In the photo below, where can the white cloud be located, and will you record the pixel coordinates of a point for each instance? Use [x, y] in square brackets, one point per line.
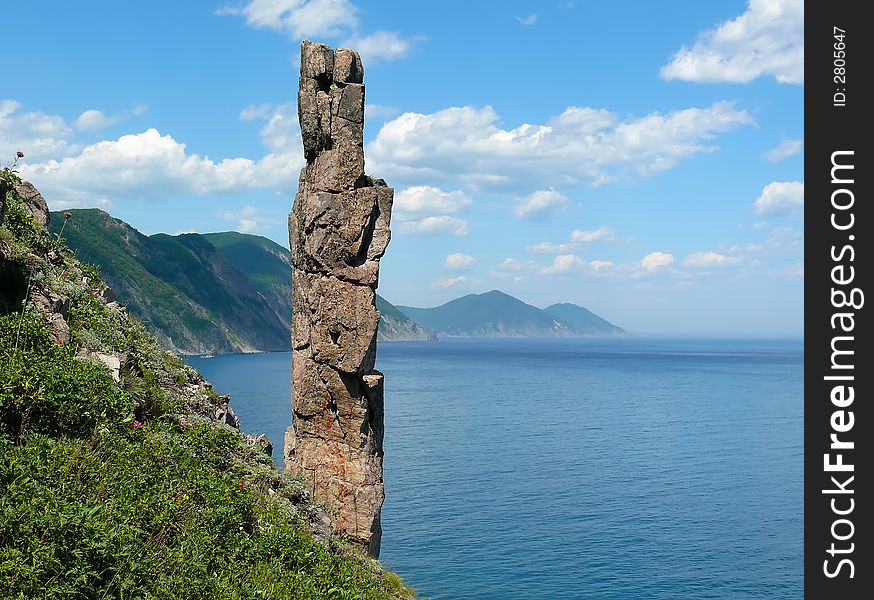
[36, 134]
[602, 233]
[248, 220]
[281, 130]
[426, 210]
[438, 225]
[459, 262]
[540, 205]
[529, 20]
[578, 237]
[564, 264]
[706, 260]
[312, 19]
[466, 145]
[780, 197]
[380, 45]
[784, 150]
[152, 166]
[552, 248]
[515, 265]
[423, 199]
[450, 282]
[379, 111]
[92, 202]
[95, 120]
[256, 111]
[767, 39]
[656, 260]
[298, 18]
[601, 266]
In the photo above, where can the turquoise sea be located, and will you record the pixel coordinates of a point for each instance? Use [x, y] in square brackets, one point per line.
[591, 468]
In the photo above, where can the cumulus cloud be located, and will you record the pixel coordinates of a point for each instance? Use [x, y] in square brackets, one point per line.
[95, 120]
[426, 210]
[528, 21]
[539, 205]
[602, 233]
[36, 134]
[784, 150]
[656, 260]
[564, 264]
[706, 260]
[380, 45]
[298, 18]
[467, 145]
[780, 197]
[450, 282]
[578, 237]
[439, 225]
[766, 40]
[459, 262]
[301, 19]
[421, 199]
[601, 266]
[152, 166]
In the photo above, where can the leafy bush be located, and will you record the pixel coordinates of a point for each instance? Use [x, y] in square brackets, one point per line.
[46, 388]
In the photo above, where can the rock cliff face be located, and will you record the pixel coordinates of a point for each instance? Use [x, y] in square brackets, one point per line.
[338, 231]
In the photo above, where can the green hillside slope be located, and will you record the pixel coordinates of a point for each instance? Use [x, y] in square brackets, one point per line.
[214, 293]
[124, 475]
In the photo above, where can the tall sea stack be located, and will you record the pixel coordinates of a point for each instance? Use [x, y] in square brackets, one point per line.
[338, 231]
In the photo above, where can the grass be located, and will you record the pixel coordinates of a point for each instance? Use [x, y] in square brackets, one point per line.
[116, 489]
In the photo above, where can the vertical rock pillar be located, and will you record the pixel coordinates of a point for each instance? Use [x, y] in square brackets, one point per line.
[338, 231]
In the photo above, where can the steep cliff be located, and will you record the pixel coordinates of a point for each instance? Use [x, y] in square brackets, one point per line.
[338, 231]
[124, 474]
[212, 293]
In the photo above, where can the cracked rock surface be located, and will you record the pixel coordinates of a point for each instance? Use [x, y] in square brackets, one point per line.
[338, 230]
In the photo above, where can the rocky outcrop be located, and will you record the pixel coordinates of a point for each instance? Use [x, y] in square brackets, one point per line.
[338, 231]
[33, 201]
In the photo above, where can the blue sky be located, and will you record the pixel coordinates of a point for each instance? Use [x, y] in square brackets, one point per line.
[643, 159]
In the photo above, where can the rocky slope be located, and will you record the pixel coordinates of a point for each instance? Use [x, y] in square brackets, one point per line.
[124, 473]
[212, 293]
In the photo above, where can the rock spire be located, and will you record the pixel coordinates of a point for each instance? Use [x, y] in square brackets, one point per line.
[338, 231]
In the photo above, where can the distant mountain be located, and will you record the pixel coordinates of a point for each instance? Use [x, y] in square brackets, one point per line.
[581, 319]
[395, 325]
[215, 293]
[496, 314]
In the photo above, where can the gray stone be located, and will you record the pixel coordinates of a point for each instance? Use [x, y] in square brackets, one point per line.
[347, 67]
[339, 229]
[33, 201]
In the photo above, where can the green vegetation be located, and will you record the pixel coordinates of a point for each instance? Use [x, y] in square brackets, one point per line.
[212, 293]
[120, 489]
[264, 261]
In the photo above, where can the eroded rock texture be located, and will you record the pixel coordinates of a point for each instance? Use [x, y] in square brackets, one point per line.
[338, 230]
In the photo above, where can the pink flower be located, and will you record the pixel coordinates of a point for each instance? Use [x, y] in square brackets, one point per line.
[94, 293]
[19, 154]
[64, 274]
[137, 424]
[242, 484]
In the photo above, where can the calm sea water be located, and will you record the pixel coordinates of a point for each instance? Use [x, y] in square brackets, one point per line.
[595, 468]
